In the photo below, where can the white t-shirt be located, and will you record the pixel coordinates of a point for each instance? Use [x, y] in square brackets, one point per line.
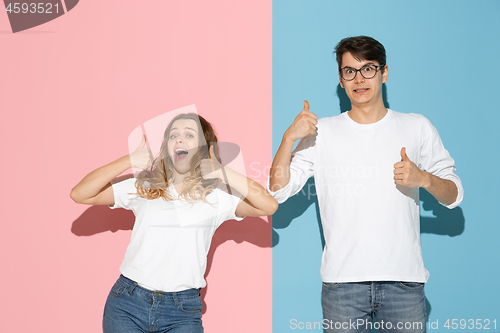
[371, 225]
[171, 239]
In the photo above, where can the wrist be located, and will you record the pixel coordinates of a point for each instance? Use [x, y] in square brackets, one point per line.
[220, 174]
[427, 180]
[125, 162]
[288, 139]
[223, 173]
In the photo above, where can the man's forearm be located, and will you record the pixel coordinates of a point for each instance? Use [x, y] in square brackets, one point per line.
[303, 125]
[444, 190]
[279, 176]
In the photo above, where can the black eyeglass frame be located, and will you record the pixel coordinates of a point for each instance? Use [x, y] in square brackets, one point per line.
[377, 68]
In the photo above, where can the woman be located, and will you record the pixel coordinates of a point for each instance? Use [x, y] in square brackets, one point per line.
[178, 205]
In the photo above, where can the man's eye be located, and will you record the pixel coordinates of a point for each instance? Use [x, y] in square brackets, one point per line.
[368, 68]
[349, 70]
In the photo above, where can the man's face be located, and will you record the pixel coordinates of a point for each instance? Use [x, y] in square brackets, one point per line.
[363, 92]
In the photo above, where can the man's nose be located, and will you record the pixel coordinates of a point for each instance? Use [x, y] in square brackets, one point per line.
[358, 77]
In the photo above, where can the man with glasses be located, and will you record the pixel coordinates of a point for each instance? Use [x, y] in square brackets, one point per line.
[368, 164]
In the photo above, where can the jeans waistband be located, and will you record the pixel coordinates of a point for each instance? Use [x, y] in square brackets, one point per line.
[132, 285]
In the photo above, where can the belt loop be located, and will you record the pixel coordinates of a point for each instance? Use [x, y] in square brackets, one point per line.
[131, 288]
[174, 296]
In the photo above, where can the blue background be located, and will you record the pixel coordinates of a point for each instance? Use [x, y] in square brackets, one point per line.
[443, 63]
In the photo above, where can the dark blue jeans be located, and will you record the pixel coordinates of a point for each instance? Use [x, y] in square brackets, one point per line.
[131, 308]
[397, 306]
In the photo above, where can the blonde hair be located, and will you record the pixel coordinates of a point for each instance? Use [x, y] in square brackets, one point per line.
[153, 183]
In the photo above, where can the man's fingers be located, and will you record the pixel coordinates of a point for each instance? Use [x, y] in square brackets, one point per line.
[312, 120]
[308, 117]
[404, 157]
[304, 124]
[307, 112]
[310, 126]
[398, 171]
[313, 129]
[399, 165]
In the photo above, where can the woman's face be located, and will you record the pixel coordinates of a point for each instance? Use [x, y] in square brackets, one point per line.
[183, 142]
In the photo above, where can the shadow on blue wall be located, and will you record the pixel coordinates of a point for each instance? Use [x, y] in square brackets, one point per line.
[345, 102]
[447, 222]
[450, 222]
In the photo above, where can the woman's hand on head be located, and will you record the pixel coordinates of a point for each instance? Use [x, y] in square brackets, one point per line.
[141, 158]
[211, 168]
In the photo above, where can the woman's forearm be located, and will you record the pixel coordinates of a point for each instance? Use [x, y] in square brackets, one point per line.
[93, 183]
[253, 192]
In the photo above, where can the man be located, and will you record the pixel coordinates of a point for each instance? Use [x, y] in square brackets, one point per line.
[368, 164]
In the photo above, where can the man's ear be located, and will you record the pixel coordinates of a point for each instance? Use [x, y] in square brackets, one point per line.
[340, 79]
[385, 75]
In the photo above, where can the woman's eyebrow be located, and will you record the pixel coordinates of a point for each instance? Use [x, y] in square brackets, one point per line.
[192, 129]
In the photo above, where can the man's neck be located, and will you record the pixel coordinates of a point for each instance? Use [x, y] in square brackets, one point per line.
[364, 114]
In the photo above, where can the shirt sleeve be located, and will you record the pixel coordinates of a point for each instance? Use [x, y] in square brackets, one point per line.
[436, 160]
[301, 169]
[125, 194]
[227, 207]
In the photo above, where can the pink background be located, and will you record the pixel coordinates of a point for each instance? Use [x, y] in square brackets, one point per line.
[71, 91]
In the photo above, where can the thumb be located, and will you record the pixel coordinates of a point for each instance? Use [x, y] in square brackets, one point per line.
[211, 152]
[306, 105]
[143, 142]
[404, 157]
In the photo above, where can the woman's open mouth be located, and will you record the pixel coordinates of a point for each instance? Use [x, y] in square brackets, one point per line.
[180, 154]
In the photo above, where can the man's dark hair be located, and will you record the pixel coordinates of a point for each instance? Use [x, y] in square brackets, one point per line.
[361, 48]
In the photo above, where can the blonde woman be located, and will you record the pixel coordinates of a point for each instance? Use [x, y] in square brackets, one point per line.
[178, 204]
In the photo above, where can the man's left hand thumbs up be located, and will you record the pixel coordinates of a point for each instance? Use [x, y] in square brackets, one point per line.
[407, 173]
[404, 157]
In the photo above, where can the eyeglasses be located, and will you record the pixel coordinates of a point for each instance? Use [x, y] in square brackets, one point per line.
[367, 71]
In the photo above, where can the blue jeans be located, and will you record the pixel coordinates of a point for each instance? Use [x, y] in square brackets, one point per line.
[131, 308]
[397, 307]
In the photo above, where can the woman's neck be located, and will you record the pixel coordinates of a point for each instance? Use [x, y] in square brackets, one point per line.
[178, 178]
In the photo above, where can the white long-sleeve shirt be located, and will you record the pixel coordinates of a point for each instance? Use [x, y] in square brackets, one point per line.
[371, 225]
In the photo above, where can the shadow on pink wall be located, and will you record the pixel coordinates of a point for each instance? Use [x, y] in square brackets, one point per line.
[99, 219]
[254, 230]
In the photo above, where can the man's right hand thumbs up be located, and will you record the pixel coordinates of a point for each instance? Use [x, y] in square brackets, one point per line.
[303, 125]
